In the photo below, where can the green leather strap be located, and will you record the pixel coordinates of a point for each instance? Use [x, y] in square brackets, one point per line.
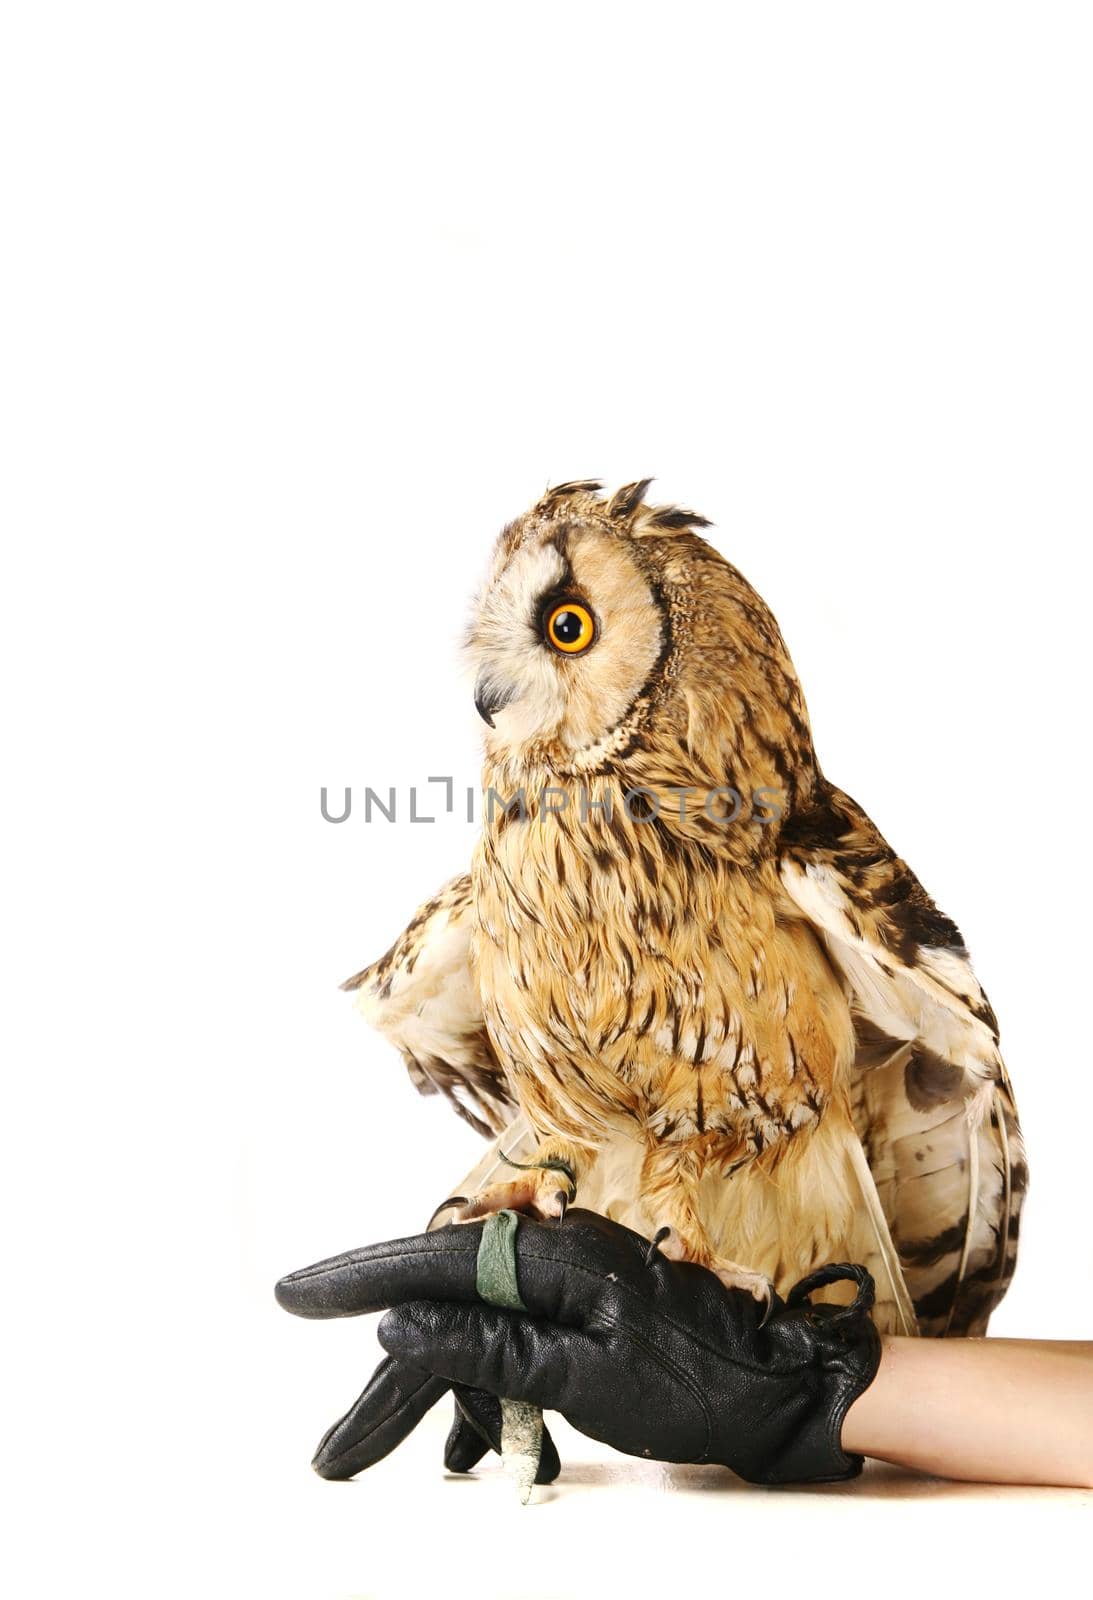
[496, 1277]
[521, 1423]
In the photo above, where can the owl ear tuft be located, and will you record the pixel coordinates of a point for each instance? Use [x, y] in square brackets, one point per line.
[670, 519]
[625, 501]
[562, 491]
[626, 506]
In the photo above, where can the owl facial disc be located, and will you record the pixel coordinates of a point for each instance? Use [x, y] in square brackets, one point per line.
[564, 637]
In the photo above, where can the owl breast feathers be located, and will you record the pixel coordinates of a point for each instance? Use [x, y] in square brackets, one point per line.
[717, 999]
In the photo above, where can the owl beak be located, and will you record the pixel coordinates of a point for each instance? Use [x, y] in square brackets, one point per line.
[488, 699]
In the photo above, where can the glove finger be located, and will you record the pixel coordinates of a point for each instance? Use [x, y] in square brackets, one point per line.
[390, 1408]
[442, 1265]
[503, 1352]
[477, 1428]
[465, 1445]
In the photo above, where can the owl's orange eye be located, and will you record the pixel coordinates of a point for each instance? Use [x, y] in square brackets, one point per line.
[569, 627]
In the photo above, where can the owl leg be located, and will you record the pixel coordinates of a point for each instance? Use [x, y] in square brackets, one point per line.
[669, 1182]
[542, 1187]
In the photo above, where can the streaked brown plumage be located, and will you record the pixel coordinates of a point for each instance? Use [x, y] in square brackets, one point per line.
[757, 1029]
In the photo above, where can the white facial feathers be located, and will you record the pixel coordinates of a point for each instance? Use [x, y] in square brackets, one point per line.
[536, 693]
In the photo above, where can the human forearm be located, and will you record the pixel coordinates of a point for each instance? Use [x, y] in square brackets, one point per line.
[988, 1410]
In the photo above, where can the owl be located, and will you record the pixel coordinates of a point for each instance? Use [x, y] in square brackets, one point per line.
[685, 977]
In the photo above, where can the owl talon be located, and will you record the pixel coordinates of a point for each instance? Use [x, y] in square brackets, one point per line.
[754, 1283]
[446, 1205]
[654, 1245]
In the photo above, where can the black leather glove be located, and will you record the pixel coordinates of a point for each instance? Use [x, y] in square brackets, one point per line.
[652, 1356]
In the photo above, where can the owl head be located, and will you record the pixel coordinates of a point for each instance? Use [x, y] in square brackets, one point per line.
[610, 632]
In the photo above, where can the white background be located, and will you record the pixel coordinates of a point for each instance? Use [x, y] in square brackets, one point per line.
[301, 302]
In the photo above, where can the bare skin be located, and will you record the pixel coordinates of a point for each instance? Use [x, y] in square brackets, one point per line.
[985, 1410]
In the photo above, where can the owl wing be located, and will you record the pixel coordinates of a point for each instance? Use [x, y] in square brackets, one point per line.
[423, 995]
[931, 1098]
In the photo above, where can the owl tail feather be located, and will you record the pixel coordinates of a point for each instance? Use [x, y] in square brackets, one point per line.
[891, 1284]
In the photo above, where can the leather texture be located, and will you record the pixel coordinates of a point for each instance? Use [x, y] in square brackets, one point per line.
[651, 1356]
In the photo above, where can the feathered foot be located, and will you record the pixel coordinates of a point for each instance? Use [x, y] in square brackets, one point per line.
[542, 1188]
[732, 1275]
[669, 1190]
[757, 1284]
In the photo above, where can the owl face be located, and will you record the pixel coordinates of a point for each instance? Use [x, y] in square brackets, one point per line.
[567, 632]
